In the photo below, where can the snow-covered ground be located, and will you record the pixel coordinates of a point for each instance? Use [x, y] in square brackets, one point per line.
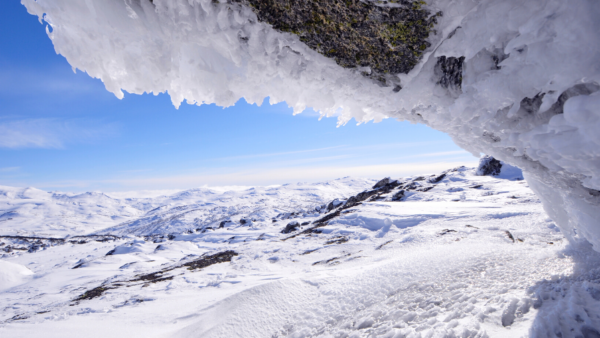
[446, 255]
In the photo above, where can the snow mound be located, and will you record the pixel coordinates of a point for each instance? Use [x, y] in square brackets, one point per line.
[516, 80]
[13, 274]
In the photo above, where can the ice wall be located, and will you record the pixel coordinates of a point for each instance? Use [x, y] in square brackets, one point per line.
[523, 86]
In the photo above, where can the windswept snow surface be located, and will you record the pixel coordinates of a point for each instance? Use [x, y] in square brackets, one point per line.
[33, 212]
[529, 95]
[446, 255]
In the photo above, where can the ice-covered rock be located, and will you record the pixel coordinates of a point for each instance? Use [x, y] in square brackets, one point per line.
[516, 80]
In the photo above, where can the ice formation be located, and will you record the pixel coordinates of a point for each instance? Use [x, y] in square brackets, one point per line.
[514, 79]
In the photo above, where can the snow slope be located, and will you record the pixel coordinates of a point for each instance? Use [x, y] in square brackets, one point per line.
[445, 255]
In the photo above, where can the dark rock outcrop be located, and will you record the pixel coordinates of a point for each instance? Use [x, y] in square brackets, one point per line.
[576, 90]
[381, 183]
[382, 40]
[448, 71]
[160, 275]
[33, 244]
[437, 179]
[398, 196]
[291, 227]
[489, 166]
[334, 204]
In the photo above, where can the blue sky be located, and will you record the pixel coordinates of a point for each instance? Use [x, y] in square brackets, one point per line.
[63, 131]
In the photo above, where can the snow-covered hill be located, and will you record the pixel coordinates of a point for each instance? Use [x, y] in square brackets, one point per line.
[33, 212]
[446, 255]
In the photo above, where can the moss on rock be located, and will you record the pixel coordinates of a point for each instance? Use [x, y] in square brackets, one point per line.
[388, 40]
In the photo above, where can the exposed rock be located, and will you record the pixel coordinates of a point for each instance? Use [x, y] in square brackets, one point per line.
[79, 264]
[93, 293]
[328, 217]
[337, 240]
[532, 105]
[448, 71]
[202, 262]
[159, 276]
[32, 244]
[437, 179]
[381, 40]
[291, 227]
[576, 90]
[384, 244]
[309, 251]
[334, 204]
[489, 166]
[510, 236]
[398, 196]
[381, 183]
[411, 186]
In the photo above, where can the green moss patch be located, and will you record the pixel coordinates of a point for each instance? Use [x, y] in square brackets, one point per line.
[389, 40]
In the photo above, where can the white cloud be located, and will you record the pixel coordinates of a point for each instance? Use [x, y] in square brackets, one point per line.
[49, 133]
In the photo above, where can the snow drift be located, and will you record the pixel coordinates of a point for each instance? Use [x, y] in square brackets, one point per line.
[516, 80]
[12, 274]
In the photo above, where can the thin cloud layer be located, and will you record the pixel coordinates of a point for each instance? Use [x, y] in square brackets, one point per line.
[50, 133]
[261, 176]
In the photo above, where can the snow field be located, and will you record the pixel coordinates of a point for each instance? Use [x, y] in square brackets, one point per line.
[474, 256]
